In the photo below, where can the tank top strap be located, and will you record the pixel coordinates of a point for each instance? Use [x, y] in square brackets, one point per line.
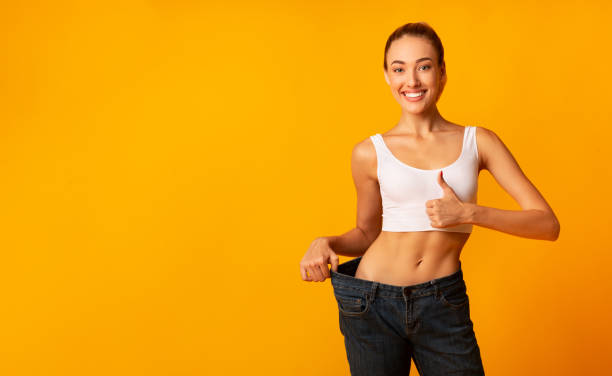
[470, 140]
[378, 144]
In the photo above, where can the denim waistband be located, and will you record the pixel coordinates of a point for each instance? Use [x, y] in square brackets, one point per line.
[345, 277]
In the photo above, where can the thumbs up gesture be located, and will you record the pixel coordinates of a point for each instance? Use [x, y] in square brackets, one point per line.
[448, 210]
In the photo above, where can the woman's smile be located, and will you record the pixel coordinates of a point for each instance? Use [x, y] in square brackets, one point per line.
[414, 96]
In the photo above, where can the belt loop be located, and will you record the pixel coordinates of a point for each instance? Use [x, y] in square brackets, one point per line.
[373, 291]
[435, 284]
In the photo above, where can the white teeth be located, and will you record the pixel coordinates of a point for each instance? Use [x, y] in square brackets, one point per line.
[414, 95]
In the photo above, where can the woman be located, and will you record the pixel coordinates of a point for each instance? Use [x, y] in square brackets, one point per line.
[404, 296]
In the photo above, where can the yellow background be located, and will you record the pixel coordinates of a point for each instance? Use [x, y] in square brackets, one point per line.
[166, 164]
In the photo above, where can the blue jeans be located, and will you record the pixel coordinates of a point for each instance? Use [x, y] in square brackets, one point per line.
[385, 326]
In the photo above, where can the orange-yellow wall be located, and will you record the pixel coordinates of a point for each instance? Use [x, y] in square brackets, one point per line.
[165, 164]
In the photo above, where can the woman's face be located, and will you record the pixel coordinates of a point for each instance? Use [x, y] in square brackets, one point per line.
[412, 67]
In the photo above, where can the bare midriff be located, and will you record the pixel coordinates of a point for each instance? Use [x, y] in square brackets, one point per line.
[409, 258]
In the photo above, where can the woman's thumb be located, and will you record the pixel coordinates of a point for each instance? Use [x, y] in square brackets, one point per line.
[333, 260]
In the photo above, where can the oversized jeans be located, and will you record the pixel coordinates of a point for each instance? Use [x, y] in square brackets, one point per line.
[385, 326]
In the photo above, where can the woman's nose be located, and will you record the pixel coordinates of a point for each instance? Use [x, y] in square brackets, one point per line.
[411, 79]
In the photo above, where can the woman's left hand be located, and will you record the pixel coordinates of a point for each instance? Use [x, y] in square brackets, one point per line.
[448, 210]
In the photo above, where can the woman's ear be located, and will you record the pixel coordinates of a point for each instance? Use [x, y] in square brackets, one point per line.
[444, 76]
[386, 77]
[443, 80]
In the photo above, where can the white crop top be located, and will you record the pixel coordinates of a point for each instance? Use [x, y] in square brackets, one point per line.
[405, 189]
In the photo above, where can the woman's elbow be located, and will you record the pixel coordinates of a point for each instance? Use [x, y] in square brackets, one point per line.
[556, 228]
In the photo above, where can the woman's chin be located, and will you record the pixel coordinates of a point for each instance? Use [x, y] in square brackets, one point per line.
[415, 110]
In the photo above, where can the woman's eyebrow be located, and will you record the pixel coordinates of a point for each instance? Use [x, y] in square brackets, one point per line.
[416, 61]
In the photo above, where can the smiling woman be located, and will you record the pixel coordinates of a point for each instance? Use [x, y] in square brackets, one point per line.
[404, 296]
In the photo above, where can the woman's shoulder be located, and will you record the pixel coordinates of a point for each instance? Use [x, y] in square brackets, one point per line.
[486, 135]
[488, 143]
[364, 159]
[364, 150]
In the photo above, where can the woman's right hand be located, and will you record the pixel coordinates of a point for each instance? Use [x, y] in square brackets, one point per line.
[315, 261]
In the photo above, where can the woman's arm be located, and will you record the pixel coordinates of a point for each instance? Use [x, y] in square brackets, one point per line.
[324, 250]
[352, 243]
[369, 204]
[536, 220]
[530, 223]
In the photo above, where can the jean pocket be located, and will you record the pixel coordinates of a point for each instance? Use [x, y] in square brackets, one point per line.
[351, 302]
[454, 296]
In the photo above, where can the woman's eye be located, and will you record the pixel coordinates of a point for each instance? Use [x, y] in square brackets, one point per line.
[422, 66]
